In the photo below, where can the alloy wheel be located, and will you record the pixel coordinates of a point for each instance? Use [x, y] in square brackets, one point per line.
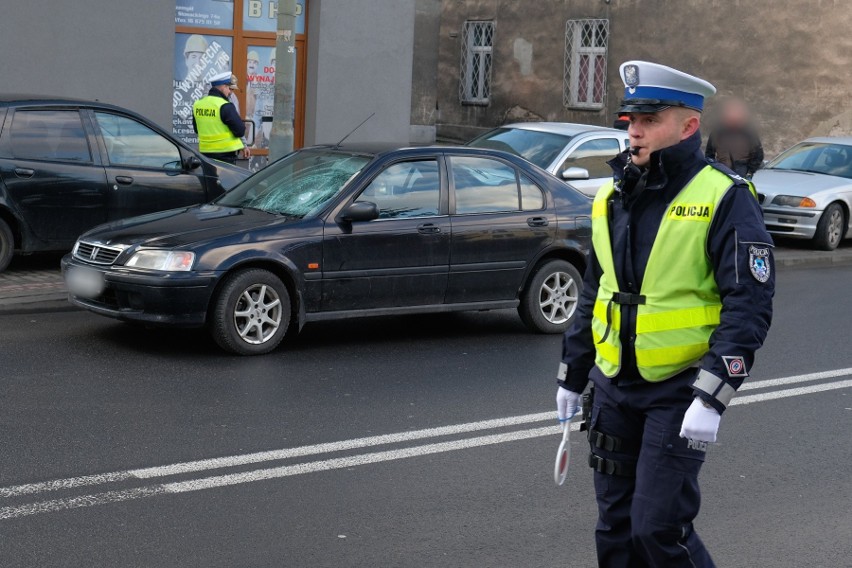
[835, 227]
[558, 297]
[257, 314]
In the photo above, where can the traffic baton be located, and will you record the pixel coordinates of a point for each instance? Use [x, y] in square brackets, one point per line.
[563, 455]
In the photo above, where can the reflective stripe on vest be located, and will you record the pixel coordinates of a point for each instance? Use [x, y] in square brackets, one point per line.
[214, 136]
[682, 305]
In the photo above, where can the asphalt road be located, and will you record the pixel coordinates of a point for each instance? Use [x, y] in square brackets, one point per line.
[386, 442]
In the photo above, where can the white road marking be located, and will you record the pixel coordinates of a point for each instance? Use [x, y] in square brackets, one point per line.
[751, 385]
[784, 393]
[336, 463]
[55, 505]
[272, 455]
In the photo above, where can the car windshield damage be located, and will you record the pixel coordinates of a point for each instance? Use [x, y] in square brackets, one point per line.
[300, 185]
[816, 158]
[540, 148]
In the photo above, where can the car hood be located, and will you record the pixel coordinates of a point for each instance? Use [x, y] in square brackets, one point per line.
[181, 227]
[801, 184]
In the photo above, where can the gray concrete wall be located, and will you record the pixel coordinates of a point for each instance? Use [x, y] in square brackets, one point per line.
[117, 52]
[789, 60]
[359, 62]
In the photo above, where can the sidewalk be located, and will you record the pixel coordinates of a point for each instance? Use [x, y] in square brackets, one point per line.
[34, 283]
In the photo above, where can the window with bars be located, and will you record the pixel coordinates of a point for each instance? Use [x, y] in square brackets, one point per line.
[585, 63]
[475, 72]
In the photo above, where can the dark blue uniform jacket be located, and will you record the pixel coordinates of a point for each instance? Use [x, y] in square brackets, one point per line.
[736, 233]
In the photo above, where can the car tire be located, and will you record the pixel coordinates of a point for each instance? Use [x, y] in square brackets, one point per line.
[7, 245]
[831, 228]
[251, 312]
[549, 301]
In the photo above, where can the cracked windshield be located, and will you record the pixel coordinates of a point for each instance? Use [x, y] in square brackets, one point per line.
[299, 185]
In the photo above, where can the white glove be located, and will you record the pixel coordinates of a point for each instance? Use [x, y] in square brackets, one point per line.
[700, 423]
[567, 403]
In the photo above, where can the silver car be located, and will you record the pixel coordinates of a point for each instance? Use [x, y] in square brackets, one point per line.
[577, 153]
[806, 192]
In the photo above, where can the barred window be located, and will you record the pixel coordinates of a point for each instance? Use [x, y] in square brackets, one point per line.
[475, 73]
[585, 63]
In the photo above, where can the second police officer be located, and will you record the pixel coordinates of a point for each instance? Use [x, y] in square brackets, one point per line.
[217, 121]
[677, 298]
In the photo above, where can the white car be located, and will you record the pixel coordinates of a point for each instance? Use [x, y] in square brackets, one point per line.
[806, 192]
[577, 153]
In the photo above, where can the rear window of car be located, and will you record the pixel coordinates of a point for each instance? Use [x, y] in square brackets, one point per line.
[540, 148]
[49, 135]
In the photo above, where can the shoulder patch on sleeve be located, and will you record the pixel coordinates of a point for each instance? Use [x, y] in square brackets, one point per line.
[758, 263]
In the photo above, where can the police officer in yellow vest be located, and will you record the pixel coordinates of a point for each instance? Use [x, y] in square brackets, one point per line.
[677, 298]
[218, 122]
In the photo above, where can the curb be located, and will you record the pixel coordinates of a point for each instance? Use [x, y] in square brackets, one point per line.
[813, 261]
[37, 305]
[57, 301]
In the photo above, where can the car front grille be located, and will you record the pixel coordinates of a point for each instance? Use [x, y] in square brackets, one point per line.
[95, 253]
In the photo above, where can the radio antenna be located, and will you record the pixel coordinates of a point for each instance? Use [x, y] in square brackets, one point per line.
[337, 146]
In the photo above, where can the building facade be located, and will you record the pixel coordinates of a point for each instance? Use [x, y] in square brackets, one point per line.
[507, 60]
[354, 58]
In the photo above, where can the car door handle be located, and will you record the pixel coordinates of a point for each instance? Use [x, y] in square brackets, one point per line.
[537, 222]
[24, 172]
[123, 180]
[428, 229]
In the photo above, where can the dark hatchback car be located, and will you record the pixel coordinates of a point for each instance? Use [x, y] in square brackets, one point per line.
[69, 165]
[329, 233]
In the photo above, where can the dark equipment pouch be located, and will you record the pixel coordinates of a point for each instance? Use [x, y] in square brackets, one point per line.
[588, 399]
[598, 439]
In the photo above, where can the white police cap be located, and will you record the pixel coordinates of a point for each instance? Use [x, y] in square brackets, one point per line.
[223, 78]
[649, 87]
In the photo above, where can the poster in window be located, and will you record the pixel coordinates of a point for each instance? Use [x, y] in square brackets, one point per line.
[262, 16]
[197, 58]
[216, 14]
[260, 91]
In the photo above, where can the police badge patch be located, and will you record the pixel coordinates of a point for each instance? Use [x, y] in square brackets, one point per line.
[758, 263]
[631, 75]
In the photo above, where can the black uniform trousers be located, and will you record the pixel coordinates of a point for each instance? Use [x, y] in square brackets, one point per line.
[646, 520]
[230, 157]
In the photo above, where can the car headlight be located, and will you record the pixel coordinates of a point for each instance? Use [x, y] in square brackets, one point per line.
[793, 201]
[163, 260]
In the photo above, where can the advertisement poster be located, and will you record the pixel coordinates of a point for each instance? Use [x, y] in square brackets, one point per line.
[262, 16]
[218, 14]
[260, 91]
[197, 59]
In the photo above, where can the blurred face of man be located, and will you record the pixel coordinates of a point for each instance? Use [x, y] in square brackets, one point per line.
[654, 131]
[192, 59]
[251, 66]
[735, 113]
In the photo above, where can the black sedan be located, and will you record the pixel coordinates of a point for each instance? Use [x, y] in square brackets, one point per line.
[330, 232]
[68, 165]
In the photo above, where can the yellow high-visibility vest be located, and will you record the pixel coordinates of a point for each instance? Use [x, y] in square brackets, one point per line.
[214, 136]
[678, 305]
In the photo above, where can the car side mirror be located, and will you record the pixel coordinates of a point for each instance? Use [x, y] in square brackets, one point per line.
[192, 162]
[575, 173]
[360, 211]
